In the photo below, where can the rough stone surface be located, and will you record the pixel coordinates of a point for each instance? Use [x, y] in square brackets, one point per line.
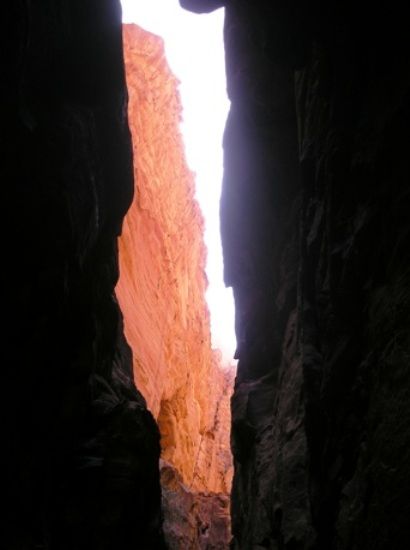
[162, 290]
[193, 519]
[81, 450]
[316, 238]
[316, 245]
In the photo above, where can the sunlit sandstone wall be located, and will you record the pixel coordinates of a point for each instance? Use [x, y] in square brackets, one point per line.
[162, 280]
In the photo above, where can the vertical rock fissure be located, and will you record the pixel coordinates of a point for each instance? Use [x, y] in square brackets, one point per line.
[161, 291]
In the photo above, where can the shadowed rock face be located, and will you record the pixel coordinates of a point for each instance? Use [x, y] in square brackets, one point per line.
[81, 448]
[316, 246]
[196, 520]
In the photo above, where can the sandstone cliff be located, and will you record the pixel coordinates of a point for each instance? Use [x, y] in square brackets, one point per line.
[318, 261]
[162, 281]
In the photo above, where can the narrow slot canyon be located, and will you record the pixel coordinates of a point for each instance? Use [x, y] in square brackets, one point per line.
[161, 291]
[120, 429]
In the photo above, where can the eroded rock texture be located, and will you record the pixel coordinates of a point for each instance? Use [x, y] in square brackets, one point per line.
[315, 229]
[80, 447]
[195, 520]
[162, 286]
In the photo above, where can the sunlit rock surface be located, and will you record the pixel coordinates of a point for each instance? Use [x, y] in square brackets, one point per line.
[162, 281]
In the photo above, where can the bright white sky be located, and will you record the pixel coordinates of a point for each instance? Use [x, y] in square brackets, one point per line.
[195, 52]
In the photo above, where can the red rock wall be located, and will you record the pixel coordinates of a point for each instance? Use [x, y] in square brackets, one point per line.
[162, 280]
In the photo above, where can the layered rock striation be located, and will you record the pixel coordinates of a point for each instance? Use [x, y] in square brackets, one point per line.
[316, 245]
[162, 289]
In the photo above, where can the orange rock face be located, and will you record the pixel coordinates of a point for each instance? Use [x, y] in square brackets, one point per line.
[162, 281]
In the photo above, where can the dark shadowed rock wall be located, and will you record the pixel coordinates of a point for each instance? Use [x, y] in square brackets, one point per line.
[81, 448]
[194, 520]
[315, 229]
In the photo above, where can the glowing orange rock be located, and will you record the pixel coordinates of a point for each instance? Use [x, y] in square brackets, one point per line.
[162, 280]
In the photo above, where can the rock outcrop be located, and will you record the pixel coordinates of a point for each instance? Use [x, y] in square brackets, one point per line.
[316, 246]
[80, 447]
[194, 520]
[316, 242]
[162, 284]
